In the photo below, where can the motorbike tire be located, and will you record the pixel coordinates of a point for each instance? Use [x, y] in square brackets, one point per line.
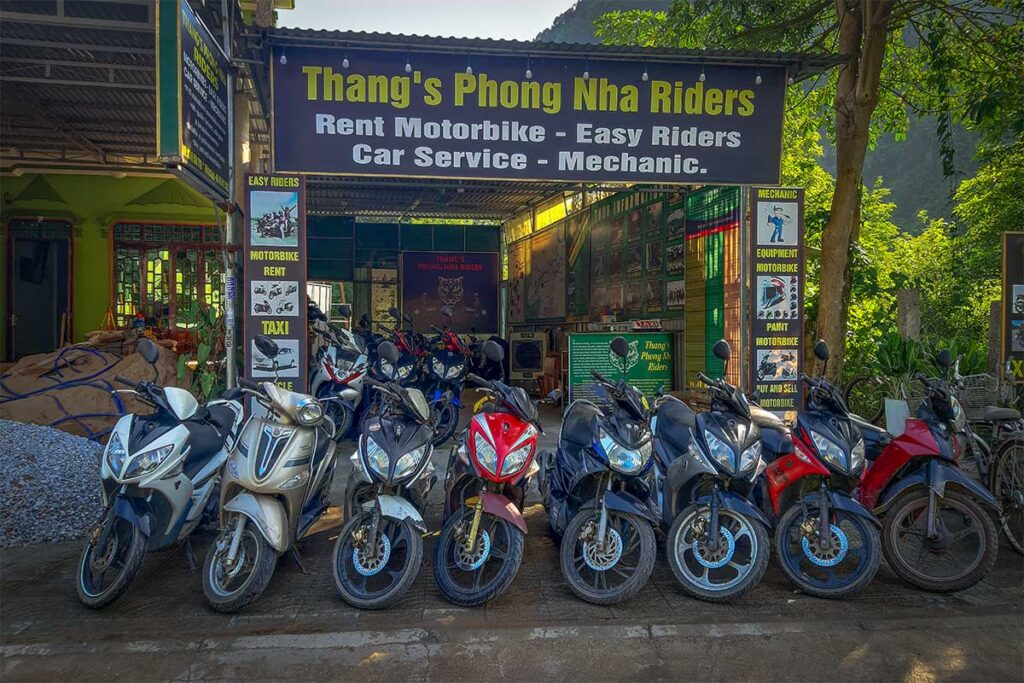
[632, 585]
[873, 548]
[253, 585]
[1007, 469]
[457, 594]
[749, 582]
[406, 577]
[918, 497]
[134, 555]
[447, 423]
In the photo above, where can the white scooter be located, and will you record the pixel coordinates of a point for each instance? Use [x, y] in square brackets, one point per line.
[158, 472]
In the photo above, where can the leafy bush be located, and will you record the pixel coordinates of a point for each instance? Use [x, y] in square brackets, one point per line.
[207, 329]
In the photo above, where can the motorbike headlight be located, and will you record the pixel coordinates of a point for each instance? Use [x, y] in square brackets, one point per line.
[750, 457]
[408, 463]
[720, 451]
[298, 480]
[436, 366]
[623, 459]
[516, 460]
[959, 416]
[455, 370]
[405, 370]
[387, 369]
[309, 412]
[485, 454]
[857, 456]
[145, 463]
[829, 451]
[377, 457]
[115, 455]
[233, 468]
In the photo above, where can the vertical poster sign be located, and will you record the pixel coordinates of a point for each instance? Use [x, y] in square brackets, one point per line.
[1013, 306]
[275, 278]
[777, 296]
[466, 282]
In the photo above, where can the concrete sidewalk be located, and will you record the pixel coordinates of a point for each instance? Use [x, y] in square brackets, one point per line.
[299, 629]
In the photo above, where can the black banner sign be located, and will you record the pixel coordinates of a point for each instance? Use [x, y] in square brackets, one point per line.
[1013, 306]
[275, 278]
[391, 113]
[777, 299]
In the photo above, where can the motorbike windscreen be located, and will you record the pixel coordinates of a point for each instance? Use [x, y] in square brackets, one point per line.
[415, 400]
[629, 433]
[633, 402]
[519, 401]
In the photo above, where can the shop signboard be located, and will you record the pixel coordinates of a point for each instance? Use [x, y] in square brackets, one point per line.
[442, 114]
[648, 365]
[192, 99]
[275, 278]
[777, 296]
[1013, 306]
[467, 282]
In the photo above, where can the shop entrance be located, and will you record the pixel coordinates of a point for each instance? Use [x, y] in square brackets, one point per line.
[39, 264]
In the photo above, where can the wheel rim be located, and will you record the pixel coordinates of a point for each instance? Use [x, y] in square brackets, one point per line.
[959, 549]
[227, 580]
[445, 417]
[367, 578]
[614, 566]
[710, 571]
[842, 564]
[101, 570]
[866, 397]
[477, 570]
[1010, 490]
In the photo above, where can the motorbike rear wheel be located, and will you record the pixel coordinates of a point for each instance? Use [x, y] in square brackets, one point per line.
[118, 563]
[628, 553]
[379, 582]
[231, 589]
[489, 569]
[918, 560]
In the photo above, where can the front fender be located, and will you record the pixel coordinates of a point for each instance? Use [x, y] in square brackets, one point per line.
[141, 519]
[500, 506]
[845, 503]
[736, 503]
[397, 507]
[623, 501]
[266, 513]
[936, 475]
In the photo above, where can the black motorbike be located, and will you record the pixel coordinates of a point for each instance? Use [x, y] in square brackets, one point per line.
[708, 463]
[598, 494]
[447, 366]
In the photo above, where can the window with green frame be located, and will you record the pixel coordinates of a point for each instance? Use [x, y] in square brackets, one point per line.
[161, 269]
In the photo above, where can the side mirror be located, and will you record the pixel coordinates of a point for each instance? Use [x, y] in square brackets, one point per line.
[267, 346]
[388, 352]
[447, 312]
[493, 351]
[620, 347]
[821, 351]
[944, 359]
[721, 350]
[755, 396]
[149, 351]
[365, 320]
[345, 310]
[395, 313]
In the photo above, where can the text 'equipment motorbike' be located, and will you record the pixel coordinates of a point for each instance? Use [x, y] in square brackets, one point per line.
[157, 474]
[597, 491]
[938, 533]
[276, 486]
[826, 541]
[480, 548]
[717, 546]
[380, 548]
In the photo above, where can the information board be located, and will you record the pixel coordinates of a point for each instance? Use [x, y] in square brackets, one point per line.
[648, 365]
[467, 282]
[275, 278]
[1013, 306]
[192, 99]
[777, 296]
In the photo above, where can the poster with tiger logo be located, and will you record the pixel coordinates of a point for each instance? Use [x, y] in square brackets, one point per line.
[466, 283]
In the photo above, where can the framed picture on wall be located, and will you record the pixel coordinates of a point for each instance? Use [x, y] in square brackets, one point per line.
[655, 257]
[655, 296]
[635, 225]
[675, 259]
[675, 294]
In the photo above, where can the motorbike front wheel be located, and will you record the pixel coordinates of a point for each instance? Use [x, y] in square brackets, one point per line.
[729, 570]
[104, 574]
[470, 578]
[1008, 487]
[840, 570]
[230, 587]
[962, 552]
[615, 570]
[379, 579]
[447, 421]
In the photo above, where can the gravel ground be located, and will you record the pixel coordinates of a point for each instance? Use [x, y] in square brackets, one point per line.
[49, 484]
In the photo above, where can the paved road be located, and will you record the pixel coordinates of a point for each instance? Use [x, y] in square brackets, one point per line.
[162, 630]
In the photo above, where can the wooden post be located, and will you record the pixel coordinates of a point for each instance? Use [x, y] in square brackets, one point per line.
[908, 314]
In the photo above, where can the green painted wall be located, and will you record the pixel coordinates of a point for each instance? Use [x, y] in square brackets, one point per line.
[92, 203]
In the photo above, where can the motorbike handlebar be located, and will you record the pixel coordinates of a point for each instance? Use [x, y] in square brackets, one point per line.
[599, 377]
[249, 384]
[125, 381]
[704, 379]
[476, 379]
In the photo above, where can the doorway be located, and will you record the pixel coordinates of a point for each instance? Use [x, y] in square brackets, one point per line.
[39, 267]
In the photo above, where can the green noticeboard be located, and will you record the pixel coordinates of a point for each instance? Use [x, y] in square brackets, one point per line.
[648, 366]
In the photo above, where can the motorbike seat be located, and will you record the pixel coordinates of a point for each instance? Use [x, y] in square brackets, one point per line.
[206, 438]
[997, 414]
[675, 419]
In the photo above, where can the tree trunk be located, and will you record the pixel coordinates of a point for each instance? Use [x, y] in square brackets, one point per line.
[863, 30]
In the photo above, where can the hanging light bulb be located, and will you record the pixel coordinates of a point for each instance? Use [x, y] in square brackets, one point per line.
[703, 77]
[344, 62]
[645, 76]
[757, 79]
[408, 66]
[529, 72]
[586, 70]
[790, 80]
[469, 67]
[284, 59]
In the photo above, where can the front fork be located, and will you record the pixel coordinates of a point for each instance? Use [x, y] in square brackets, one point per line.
[474, 527]
[933, 531]
[236, 539]
[602, 522]
[101, 534]
[824, 519]
[713, 530]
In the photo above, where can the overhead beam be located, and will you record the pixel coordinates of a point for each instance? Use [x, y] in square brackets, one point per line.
[80, 22]
[90, 47]
[78, 64]
[80, 84]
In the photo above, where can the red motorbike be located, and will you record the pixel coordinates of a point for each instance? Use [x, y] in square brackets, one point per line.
[480, 547]
[938, 532]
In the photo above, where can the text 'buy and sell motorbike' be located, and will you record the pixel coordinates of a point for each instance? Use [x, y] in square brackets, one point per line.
[337, 372]
[826, 541]
[717, 545]
[157, 475]
[938, 533]
[480, 547]
[597, 491]
[276, 486]
[380, 548]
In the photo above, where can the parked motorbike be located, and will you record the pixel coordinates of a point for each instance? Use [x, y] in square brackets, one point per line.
[827, 543]
[380, 548]
[261, 307]
[157, 474]
[276, 486]
[480, 547]
[598, 493]
[938, 533]
[717, 545]
[447, 366]
[338, 369]
[285, 307]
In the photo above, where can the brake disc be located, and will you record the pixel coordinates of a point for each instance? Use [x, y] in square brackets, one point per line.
[604, 557]
[471, 561]
[713, 559]
[370, 566]
[833, 555]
